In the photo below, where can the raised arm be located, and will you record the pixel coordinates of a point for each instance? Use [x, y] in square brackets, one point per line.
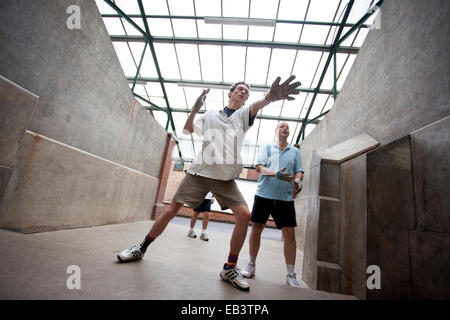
[189, 125]
[276, 92]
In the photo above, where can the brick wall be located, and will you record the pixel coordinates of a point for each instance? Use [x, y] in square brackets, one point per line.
[164, 173]
[252, 174]
[175, 178]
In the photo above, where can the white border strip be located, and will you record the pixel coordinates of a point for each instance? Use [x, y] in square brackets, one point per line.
[18, 86]
[88, 153]
[329, 199]
[429, 125]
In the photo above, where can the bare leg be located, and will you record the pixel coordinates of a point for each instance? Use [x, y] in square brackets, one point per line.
[290, 246]
[161, 223]
[194, 219]
[255, 238]
[242, 216]
[205, 220]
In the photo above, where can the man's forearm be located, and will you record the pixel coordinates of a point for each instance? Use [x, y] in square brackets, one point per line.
[189, 125]
[258, 105]
[266, 171]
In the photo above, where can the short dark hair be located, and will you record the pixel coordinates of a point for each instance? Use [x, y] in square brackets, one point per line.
[234, 85]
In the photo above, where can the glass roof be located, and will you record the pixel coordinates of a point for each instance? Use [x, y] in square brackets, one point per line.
[201, 55]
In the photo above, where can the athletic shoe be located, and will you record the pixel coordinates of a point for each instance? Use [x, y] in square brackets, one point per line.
[249, 271]
[191, 234]
[132, 254]
[292, 281]
[204, 237]
[234, 276]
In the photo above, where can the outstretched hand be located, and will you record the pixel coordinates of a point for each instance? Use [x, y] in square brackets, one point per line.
[200, 100]
[283, 91]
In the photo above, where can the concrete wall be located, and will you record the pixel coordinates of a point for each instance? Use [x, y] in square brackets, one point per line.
[398, 85]
[408, 214]
[81, 151]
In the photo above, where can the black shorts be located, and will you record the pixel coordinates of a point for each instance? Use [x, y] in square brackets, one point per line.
[204, 206]
[283, 212]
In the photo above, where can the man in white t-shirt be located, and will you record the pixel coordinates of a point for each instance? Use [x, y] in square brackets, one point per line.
[216, 166]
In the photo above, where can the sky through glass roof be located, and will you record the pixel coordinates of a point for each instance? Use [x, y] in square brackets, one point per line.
[213, 55]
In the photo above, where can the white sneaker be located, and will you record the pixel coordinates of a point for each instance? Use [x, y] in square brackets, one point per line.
[292, 281]
[249, 271]
[191, 234]
[132, 254]
[204, 237]
[234, 277]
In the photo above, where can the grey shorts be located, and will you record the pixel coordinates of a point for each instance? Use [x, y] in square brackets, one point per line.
[194, 188]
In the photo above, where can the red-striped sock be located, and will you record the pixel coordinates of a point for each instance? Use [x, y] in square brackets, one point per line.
[146, 243]
[232, 261]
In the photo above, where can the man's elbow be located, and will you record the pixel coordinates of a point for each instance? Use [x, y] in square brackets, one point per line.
[187, 130]
[258, 169]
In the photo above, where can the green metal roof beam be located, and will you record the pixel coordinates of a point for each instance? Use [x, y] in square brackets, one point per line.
[124, 15]
[247, 43]
[264, 117]
[316, 119]
[317, 23]
[139, 66]
[206, 84]
[154, 106]
[158, 71]
[336, 45]
[360, 22]
[327, 63]
[147, 38]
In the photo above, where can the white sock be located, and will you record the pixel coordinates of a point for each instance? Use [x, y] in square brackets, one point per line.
[191, 230]
[290, 268]
[204, 231]
[253, 259]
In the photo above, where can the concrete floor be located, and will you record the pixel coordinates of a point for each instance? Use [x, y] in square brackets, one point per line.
[34, 266]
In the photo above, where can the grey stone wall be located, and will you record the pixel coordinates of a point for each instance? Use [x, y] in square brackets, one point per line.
[408, 215]
[74, 129]
[398, 84]
[397, 87]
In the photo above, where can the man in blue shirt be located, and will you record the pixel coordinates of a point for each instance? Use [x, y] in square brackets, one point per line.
[278, 164]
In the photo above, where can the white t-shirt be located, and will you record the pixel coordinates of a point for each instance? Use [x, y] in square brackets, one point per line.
[220, 157]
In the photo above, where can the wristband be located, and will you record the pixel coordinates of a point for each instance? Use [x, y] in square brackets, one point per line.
[279, 174]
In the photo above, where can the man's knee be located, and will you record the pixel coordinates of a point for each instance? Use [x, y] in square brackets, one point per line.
[241, 213]
[172, 209]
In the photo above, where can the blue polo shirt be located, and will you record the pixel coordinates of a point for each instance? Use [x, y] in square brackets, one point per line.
[273, 158]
